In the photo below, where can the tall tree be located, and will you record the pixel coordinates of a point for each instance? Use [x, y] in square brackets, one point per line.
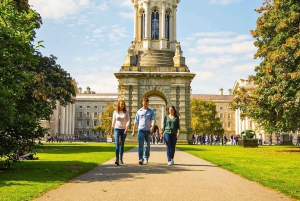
[274, 103]
[30, 83]
[204, 117]
[106, 119]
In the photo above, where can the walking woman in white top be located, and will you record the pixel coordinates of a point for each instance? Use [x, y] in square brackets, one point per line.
[119, 127]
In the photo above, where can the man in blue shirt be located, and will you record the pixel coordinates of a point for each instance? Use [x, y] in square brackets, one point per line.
[145, 122]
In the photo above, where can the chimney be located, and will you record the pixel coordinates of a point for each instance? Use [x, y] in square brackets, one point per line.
[88, 90]
[221, 91]
[230, 91]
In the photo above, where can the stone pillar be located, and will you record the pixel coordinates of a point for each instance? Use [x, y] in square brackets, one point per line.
[162, 20]
[240, 122]
[163, 114]
[73, 118]
[236, 121]
[135, 33]
[56, 118]
[62, 120]
[247, 123]
[67, 120]
[175, 22]
[147, 20]
[70, 118]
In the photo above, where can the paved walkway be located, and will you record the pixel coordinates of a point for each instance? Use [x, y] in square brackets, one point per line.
[190, 178]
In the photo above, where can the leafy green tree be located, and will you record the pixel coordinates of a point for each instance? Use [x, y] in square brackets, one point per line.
[106, 119]
[30, 83]
[204, 117]
[275, 101]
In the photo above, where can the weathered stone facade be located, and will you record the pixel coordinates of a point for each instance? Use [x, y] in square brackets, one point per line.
[154, 65]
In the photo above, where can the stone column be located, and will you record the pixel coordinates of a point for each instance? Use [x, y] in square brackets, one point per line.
[147, 16]
[73, 118]
[163, 114]
[163, 18]
[247, 123]
[135, 33]
[175, 22]
[62, 120]
[70, 118]
[56, 118]
[240, 122]
[236, 121]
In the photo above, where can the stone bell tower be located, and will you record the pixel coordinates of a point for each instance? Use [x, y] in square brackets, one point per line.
[154, 65]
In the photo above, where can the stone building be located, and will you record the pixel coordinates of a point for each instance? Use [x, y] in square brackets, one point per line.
[225, 112]
[89, 107]
[154, 65]
[61, 121]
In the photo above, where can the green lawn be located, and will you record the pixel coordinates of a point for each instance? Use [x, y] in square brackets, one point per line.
[57, 164]
[277, 167]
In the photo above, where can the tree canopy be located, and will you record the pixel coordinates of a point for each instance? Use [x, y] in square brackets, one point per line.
[274, 103]
[30, 83]
[106, 119]
[204, 117]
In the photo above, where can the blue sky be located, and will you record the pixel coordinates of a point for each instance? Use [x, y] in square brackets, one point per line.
[91, 37]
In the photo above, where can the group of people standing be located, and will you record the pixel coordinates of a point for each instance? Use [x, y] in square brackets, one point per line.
[144, 123]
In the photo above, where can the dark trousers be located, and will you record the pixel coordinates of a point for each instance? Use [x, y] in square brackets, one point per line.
[170, 140]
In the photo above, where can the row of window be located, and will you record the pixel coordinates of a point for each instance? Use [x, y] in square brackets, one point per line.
[88, 123]
[229, 108]
[155, 25]
[80, 133]
[89, 107]
[222, 116]
[228, 124]
[88, 114]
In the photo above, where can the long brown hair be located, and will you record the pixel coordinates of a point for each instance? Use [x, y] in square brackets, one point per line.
[175, 111]
[118, 109]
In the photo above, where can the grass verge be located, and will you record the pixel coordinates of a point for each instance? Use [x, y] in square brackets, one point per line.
[276, 167]
[57, 164]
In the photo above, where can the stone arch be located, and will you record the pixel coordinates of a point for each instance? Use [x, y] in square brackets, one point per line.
[169, 10]
[155, 8]
[155, 93]
[141, 11]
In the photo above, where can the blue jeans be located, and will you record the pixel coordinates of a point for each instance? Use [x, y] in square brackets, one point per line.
[119, 140]
[144, 136]
[170, 140]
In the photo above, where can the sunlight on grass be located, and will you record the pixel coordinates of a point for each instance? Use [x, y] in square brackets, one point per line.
[276, 167]
[57, 164]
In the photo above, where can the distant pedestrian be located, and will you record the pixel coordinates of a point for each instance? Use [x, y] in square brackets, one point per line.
[270, 139]
[260, 139]
[298, 139]
[144, 122]
[171, 128]
[119, 127]
[291, 138]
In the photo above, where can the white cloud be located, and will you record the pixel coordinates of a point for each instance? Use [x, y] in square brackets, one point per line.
[127, 3]
[78, 59]
[246, 67]
[204, 76]
[214, 62]
[127, 15]
[244, 47]
[218, 41]
[57, 9]
[224, 2]
[215, 34]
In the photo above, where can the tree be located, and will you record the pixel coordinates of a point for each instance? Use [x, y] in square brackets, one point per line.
[106, 119]
[30, 83]
[276, 97]
[204, 117]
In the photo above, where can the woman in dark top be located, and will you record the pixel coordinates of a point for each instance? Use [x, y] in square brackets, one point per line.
[171, 129]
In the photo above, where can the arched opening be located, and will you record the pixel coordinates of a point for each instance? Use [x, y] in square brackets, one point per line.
[158, 103]
[155, 24]
[167, 25]
[143, 25]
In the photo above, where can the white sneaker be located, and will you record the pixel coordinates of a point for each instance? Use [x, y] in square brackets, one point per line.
[145, 161]
[170, 163]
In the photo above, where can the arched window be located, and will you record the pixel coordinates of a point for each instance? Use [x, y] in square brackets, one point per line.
[155, 25]
[167, 20]
[143, 25]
